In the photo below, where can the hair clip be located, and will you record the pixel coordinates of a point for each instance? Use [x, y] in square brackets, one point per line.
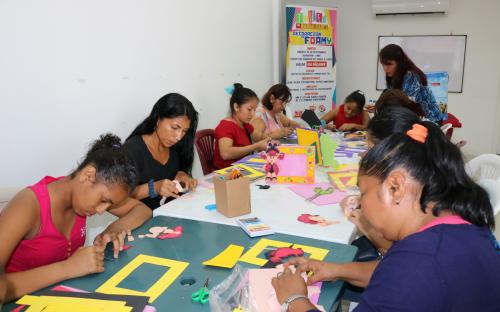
[418, 133]
[116, 145]
[230, 90]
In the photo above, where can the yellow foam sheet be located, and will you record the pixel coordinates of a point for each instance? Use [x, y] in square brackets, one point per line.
[336, 181]
[251, 256]
[227, 258]
[56, 304]
[175, 269]
[307, 137]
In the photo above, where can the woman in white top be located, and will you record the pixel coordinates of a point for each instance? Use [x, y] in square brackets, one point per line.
[270, 120]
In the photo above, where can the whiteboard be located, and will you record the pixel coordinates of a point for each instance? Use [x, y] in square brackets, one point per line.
[430, 54]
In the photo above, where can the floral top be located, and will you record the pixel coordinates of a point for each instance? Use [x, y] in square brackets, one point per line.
[422, 95]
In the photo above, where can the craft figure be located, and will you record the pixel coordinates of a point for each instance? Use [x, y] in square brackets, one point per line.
[279, 254]
[271, 155]
[349, 203]
[314, 219]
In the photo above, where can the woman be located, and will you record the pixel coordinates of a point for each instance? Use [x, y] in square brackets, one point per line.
[162, 148]
[350, 115]
[402, 74]
[415, 191]
[395, 97]
[271, 121]
[234, 134]
[42, 229]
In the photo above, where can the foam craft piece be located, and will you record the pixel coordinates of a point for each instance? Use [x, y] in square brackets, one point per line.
[297, 165]
[307, 191]
[328, 147]
[56, 304]
[175, 269]
[251, 256]
[263, 291]
[227, 258]
[307, 137]
[245, 170]
[343, 180]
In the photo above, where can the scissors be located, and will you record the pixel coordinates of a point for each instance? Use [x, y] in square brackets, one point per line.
[319, 192]
[201, 295]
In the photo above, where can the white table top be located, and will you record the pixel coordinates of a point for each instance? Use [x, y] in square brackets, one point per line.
[278, 207]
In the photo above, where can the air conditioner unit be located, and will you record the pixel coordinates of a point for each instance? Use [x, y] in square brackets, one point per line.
[390, 7]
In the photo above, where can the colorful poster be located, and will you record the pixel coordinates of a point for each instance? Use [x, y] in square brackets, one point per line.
[310, 58]
[438, 83]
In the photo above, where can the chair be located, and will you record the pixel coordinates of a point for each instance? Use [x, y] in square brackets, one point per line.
[492, 187]
[454, 122]
[205, 141]
[486, 166]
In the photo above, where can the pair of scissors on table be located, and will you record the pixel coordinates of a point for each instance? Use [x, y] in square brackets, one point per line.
[201, 295]
[319, 192]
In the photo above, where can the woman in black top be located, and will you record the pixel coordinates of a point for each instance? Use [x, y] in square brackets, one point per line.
[162, 147]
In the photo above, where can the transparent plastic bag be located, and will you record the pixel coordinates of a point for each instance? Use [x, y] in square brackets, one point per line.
[233, 293]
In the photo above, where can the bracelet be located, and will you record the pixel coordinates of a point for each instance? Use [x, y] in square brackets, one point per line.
[286, 303]
[151, 187]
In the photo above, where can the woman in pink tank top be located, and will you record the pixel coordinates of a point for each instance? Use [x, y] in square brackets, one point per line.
[350, 115]
[42, 229]
[270, 120]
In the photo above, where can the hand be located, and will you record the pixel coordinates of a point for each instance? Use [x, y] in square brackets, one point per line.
[346, 127]
[288, 284]
[321, 271]
[118, 240]
[85, 260]
[331, 126]
[370, 108]
[189, 182]
[262, 144]
[285, 131]
[166, 188]
[356, 217]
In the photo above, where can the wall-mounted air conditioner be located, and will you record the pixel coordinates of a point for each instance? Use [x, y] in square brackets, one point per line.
[390, 7]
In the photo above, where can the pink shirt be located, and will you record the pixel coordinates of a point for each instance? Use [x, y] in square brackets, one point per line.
[444, 220]
[49, 245]
[271, 123]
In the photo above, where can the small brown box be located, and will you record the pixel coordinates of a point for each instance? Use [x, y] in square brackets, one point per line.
[232, 197]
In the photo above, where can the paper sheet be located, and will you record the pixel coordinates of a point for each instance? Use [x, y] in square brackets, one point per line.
[175, 269]
[227, 258]
[310, 138]
[307, 191]
[328, 147]
[56, 304]
[343, 180]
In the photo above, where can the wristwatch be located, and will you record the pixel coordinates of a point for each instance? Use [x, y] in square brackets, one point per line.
[284, 306]
[151, 186]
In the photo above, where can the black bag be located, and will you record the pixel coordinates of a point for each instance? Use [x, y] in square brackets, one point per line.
[366, 250]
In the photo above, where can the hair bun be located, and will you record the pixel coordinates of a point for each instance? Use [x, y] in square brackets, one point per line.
[237, 85]
[107, 140]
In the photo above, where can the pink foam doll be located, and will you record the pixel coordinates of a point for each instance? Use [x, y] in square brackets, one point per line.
[314, 219]
[271, 155]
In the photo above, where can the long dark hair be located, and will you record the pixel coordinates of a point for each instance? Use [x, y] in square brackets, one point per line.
[112, 163]
[393, 52]
[240, 96]
[357, 97]
[438, 166]
[173, 105]
[395, 119]
[279, 91]
[395, 97]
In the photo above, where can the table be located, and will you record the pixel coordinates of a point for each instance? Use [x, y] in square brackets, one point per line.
[201, 241]
[278, 207]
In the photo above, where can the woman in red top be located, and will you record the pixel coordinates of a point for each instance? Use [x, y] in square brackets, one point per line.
[350, 115]
[42, 229]
[233, 135]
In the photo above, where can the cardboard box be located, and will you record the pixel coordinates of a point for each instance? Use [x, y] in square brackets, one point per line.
[232, 197]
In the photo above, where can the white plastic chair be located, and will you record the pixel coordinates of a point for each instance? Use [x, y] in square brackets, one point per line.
[486, 166]
[492, 187]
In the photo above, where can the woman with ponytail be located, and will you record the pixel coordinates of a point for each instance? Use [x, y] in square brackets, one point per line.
[415, 191]
[234, 134]
[162, 146]
[42, 229]
[349, 116]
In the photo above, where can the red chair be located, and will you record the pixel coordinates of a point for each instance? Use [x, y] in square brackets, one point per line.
[204, 141]
[455, 123]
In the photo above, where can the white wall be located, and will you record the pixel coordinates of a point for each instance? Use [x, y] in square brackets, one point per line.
[70, 70]
[358, 31]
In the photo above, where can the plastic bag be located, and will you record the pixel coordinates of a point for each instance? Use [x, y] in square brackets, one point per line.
[233, 293]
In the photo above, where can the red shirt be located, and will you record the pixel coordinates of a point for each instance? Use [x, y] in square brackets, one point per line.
[49, 245]
[341, 119]
[240, 137]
